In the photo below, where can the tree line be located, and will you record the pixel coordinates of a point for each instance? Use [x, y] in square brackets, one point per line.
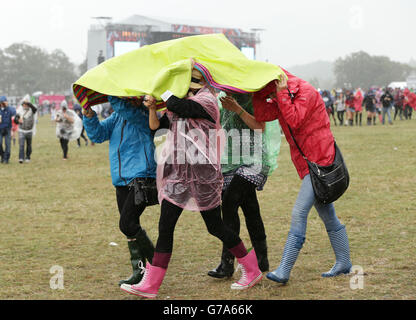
[25, 69]
[361, 70]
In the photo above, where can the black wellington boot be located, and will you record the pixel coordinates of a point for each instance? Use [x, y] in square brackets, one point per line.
[137, 263]
[141, 249]
[260, 247]
[146, 245]
[226, 267]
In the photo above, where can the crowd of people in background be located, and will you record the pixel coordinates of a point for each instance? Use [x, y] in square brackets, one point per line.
[18, 122]
[345, 107]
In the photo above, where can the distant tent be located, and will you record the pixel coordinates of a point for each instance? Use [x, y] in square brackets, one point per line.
[398, 85]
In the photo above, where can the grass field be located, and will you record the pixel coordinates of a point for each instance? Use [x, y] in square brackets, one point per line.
[63, 213]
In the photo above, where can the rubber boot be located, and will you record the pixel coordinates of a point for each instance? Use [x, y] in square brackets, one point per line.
[351, 123]
[226, 267]
[251, 273]
[261, 252]
[141, 249]
[146, 245]
[138, 263]
[290, 254]
[340, 245]
[150, 284]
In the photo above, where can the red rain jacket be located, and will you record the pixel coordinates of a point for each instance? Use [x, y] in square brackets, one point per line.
[411, 98]
[307, 117]
[358, 101]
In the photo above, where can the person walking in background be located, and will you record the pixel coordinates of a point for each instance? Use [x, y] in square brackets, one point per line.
[329, 105]
[409, 103]
[379, 105]
[78, 111]
[244, 175]
[132, 164]
[387, 100]
[6, 114]
[52, 107]
[64, 119]
[349, 103]
[358, 105]
[340, 106]
[398, 104]
[370, 106]
[26, 118]
[302, 116]
[15, 129]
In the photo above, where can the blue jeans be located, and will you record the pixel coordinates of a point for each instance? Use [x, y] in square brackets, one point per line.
[303, 205]
[388, 111]
[5, 153]
[25, 138]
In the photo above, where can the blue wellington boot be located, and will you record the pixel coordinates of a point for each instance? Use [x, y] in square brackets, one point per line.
[290, 254]
[340, 245]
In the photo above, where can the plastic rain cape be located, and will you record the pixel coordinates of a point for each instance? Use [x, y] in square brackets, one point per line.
[189, 166]
[155, 68]
[66, 130]
[244, 146]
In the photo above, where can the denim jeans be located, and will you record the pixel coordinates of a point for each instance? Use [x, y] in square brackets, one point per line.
[25, 138]
[303, 205]
[7, 135]
[388, 111]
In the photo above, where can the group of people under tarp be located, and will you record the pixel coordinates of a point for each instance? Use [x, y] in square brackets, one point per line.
[346, 105]
[190, 174]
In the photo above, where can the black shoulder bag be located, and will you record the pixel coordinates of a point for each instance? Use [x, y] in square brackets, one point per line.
[329, 182]
[145, 189]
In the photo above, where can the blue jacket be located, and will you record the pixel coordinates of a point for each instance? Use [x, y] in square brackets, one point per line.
[6, 117]
[132, 148]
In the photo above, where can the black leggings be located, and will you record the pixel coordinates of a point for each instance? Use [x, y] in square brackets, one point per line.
[64, 146]
[81, 136]
[129, 212]
[340, 115]
[242, 193]
[169, 216]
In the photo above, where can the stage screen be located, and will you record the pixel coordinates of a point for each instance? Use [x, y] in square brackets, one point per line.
[249, 52]
[121, 47]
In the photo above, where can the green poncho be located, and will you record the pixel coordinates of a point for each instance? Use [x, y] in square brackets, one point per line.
[269, 146]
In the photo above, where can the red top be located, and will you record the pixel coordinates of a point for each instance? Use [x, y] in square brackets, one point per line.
[358, 101]
[411, 98]
[307, 117]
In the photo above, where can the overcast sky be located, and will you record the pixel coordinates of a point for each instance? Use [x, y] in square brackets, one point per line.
[296, 31]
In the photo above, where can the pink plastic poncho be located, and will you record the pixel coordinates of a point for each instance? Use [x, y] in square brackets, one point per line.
[189, 166]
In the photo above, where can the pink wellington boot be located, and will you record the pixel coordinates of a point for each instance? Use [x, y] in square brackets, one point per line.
[251, 273]
[149, 286]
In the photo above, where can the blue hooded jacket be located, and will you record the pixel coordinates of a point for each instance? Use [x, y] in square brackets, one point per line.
[132, 148]
[6, 117]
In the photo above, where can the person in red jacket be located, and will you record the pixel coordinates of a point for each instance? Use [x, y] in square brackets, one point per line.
[409, 103]
[301, 110]
[358, 105]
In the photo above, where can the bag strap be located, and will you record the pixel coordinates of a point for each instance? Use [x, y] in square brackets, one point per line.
[294, 140]
[292, 97]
